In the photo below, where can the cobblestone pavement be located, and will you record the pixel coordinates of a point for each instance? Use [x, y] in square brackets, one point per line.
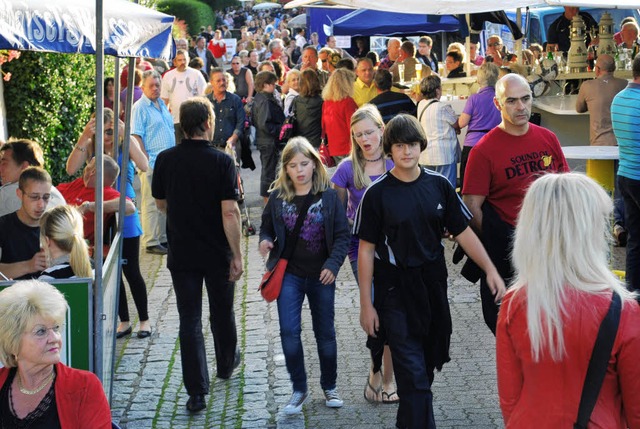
[148, 390]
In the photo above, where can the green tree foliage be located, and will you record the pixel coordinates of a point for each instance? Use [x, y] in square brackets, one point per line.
[193, 12]
[49, 99]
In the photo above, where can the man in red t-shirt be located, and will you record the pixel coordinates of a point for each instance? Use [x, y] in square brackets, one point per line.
[81, 192]
[500, 169]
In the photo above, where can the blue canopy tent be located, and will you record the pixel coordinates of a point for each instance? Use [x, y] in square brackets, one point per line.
[69, 26]
[367, 22]
[117, 28]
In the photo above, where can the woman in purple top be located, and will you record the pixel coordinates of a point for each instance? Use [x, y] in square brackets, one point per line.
[480, 113]
[352, 177]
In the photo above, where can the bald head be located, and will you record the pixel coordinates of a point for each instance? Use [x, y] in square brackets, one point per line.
[606, 63]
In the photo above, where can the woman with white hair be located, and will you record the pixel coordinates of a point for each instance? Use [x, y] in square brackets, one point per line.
[36, 389]
[550, 317]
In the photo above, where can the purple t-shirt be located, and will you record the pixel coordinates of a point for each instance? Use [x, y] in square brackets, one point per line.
[137, 93]
[343, 177]
[484, 115]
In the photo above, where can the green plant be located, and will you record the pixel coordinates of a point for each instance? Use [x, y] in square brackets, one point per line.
[193, 12]
[49, 99]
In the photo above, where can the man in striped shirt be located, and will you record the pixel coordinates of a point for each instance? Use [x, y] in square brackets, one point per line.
[625, 117]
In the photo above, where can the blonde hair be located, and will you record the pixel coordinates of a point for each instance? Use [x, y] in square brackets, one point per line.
[370, 112]
[488, 74]
[20, 304]
[458, 47]
[290, 74]
[63, 225]
[567, 217]
[109, 118]
[339, 86]
[284, 184]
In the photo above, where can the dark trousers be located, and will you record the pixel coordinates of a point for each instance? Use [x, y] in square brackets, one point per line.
[131, 270]
[269, 157]
[188, 289]
[463, 164]
[413, 374]
[630, 190]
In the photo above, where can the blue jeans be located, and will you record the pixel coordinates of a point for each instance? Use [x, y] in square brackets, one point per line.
[630, 190]
[450, 171]
[321, 302]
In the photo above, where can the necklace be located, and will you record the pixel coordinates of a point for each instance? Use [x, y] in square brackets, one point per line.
[38, 389]
[374, 160]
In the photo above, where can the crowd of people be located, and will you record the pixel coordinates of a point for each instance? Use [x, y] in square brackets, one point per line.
[388, 205]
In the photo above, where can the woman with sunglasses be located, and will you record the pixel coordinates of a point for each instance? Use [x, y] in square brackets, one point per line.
[82, 154]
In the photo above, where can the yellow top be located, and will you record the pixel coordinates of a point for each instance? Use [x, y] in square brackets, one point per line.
[362, 93]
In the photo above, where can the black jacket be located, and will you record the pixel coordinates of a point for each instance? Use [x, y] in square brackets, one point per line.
[308, 112]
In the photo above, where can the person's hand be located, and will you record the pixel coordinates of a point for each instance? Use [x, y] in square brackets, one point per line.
[88, 132]
[120, 128]
[496, 285]
[327, 277]
[369, 320]
[265, 247]
[235, 269]
[38, 262]
[85, 207]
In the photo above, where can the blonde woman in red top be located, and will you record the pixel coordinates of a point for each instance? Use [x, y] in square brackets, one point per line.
[549, 319]
[337, 109]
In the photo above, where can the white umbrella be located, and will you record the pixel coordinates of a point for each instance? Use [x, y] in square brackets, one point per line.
[267, 6]
[299, 21]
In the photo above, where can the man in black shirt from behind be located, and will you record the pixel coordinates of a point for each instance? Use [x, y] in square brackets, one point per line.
[388, 102]
[196, 185]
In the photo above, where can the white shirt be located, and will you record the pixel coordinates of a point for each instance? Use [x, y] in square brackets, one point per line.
[181, 86]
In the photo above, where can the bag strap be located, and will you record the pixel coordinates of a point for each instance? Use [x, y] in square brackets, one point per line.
[302, 214]
[599, 362]
[425, 109]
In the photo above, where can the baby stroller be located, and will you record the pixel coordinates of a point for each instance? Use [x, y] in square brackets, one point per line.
[247, 227]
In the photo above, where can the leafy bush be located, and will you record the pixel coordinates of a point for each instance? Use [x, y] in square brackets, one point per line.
[195, 13]
[49, 99]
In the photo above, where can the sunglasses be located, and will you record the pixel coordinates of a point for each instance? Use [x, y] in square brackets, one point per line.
[109, 132]
[495, 45]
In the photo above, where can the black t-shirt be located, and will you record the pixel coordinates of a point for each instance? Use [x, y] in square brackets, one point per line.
[194, 179]
[405, 220]
[18, 242]
[310, 252]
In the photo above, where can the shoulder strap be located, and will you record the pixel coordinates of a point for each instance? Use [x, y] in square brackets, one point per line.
[302, 214]
[425, 108]
[598, 362]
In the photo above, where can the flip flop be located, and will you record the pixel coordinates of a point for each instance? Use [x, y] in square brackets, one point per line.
[368, 388]
[387, 398]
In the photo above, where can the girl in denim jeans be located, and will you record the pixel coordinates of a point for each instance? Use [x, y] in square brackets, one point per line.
[318, 253]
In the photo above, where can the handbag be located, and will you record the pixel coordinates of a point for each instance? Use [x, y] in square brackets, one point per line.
[271, 282]
[288, 128]
[325, 156]
[598, 363]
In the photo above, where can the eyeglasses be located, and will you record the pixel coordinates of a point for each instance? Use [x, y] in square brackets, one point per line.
[324, 61]
[37, 197]
[495, 45]
[235, 64]
[109, 132]
[367, 133]
[40, 332]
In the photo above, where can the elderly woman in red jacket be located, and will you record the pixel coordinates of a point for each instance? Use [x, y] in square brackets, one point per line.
[337, 109]
[549, 319]
[36, 390]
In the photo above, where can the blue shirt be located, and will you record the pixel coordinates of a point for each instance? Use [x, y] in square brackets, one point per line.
[625, 118]
[230, 117]
[154, 125]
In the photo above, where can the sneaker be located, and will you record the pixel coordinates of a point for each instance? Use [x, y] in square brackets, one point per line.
[332, 398]
[620, 234]
[296, 402]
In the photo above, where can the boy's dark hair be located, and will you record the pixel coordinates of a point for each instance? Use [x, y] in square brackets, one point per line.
[455, 56]
[25, 151]
[403, 128]
[37, 174]
[383, 80]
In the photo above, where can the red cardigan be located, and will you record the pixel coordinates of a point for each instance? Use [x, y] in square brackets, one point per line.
[336, 125]
[80, 399]
[546, 394]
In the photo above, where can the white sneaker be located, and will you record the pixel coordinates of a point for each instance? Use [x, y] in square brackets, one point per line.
[332, 398]
[295, 403]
